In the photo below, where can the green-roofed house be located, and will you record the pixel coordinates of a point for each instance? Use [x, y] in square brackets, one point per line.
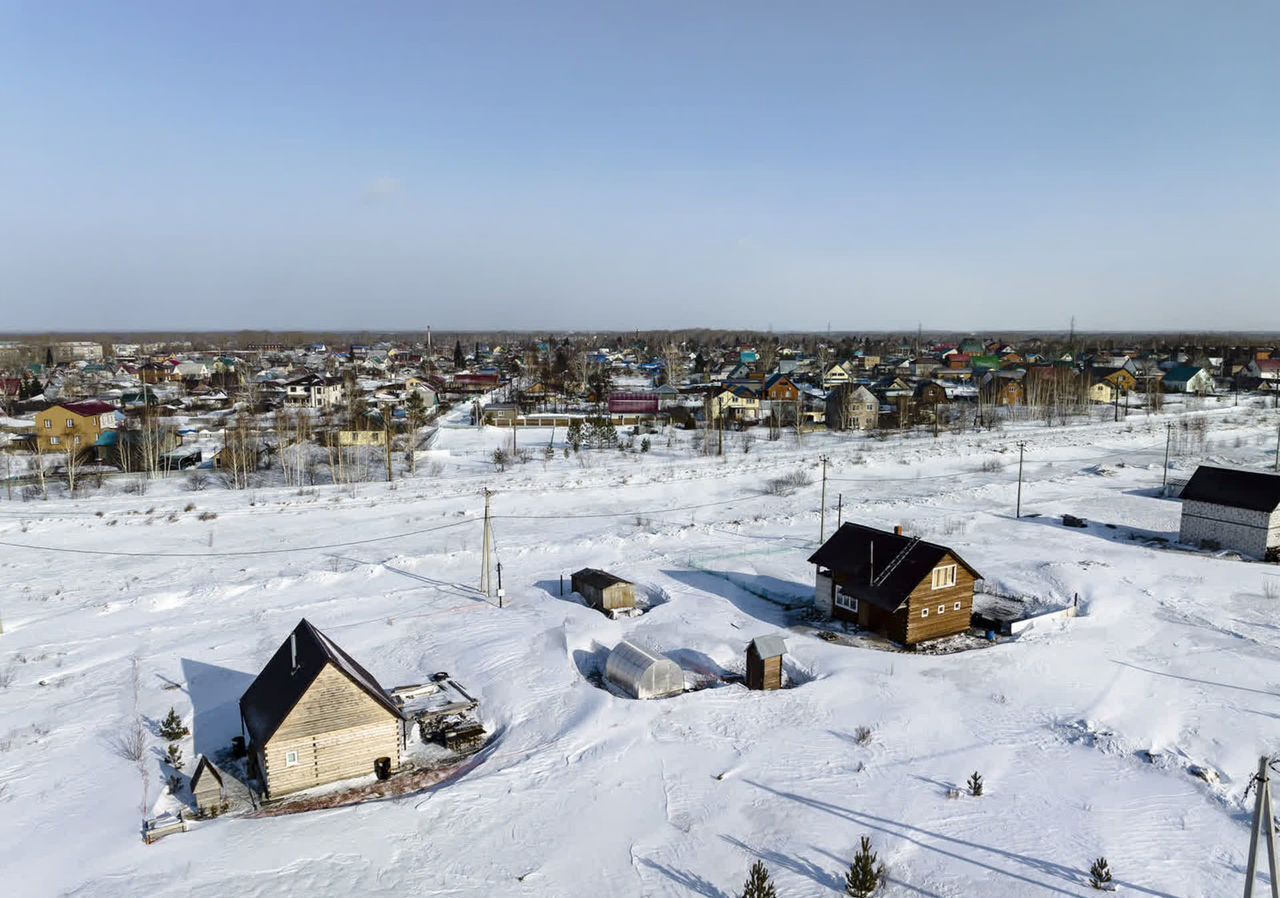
[1188, 379]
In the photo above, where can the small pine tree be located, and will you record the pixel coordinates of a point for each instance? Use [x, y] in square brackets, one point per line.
[1100, 874]
[500, 459]
[975, 784]
[175, 755]
[758, 883]
[172, 728]
[645, 445]
[865, 873]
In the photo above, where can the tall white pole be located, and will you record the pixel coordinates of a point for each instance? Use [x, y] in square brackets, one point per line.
[484, 570]
[822, 513]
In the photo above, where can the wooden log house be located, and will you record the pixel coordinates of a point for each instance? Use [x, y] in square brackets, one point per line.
[315, 716]
[899, 586]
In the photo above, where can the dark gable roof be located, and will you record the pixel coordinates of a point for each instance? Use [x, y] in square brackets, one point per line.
[850, 550]
[205, 767]
[597, 578]
[275, 691]
[1235, 488]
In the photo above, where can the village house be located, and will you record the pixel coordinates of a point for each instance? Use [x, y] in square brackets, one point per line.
[898, 586]
[1188, 379]
[313, 391]
[1231, 508]
[836, 375]
[738, 403]
[75, 426]
[314, 716]
[1263, 369]
[852, 407]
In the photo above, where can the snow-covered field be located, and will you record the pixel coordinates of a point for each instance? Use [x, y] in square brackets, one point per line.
[1086, 733]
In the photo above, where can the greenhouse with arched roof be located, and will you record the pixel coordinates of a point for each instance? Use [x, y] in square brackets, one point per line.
[643, 674]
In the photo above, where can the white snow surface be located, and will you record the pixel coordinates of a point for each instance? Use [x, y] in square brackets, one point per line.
[1085, 732]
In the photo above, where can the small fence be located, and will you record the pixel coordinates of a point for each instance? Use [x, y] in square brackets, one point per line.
[1062, 615]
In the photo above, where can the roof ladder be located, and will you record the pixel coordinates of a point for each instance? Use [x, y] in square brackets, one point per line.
[897, 560]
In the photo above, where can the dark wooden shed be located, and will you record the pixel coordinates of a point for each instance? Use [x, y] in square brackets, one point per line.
[764, 662]
[604, 591]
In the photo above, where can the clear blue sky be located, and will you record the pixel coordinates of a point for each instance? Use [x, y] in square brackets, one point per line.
[644, 164]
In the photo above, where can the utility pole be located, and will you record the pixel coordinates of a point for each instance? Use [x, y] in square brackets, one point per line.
[1168, 436]
[822, 512]
[386, 440]
[839, 510]
[501, 593]
[485, 585]
[1278, 447]
[1262, 818]
[1021, 447]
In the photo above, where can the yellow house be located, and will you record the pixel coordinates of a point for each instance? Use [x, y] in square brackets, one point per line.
[837, 374]
[739, 403]
[1102, 391]
[362, 437]
[73, 425]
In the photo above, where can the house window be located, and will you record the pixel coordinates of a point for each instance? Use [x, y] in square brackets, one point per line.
[944, 577]
[70, 424]
[848, 603]
[48, 423]
[924, 612]
[77, 441]
[55, 440]
[957, 606]
[942, 609]
[291, 759]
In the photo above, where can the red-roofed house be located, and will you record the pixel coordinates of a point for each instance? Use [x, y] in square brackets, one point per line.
[1266, 369]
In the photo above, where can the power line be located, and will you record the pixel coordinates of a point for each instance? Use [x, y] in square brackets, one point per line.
[282, 551]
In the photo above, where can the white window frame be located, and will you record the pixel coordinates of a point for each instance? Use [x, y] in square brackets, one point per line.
[944, 576]
[55, 441]
[957, 606]
[48, 424]
[291, 759]
[924, 612]
[942, 609]
[848, 603]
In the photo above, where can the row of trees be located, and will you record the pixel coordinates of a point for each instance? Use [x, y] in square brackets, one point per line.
[866, 875]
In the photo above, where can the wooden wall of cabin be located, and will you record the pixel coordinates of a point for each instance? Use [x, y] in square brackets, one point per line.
[950, 621]
[337, 729]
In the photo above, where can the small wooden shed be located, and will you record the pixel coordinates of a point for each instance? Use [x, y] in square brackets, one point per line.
[207, 789]
[764, 662]
[604, 591]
